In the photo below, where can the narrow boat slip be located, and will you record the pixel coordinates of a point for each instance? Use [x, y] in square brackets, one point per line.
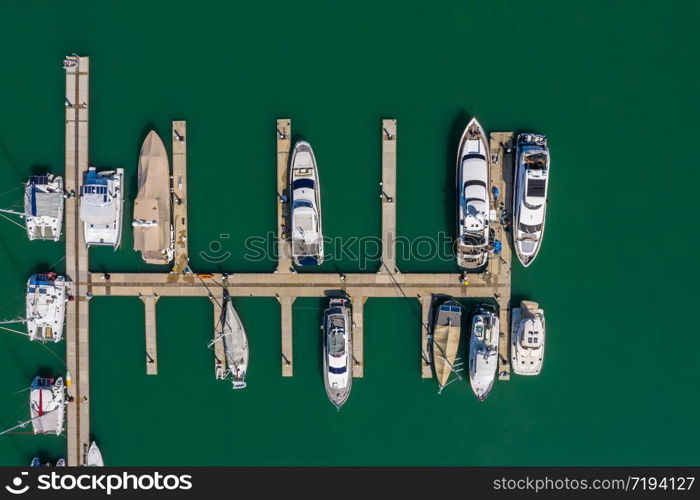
[473, 198]
[43, 207]
[153, 229]
[47, 404]
[46, 307]
[307, 225]
[483, 351]
[337, 351]
[446, 334]
[101, 206]
[530, 199]
[527, 338]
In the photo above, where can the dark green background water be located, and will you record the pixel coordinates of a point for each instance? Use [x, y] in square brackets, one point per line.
[613, 85]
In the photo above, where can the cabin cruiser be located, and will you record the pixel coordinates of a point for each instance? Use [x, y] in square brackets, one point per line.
[445, 341]
[530, 200]
[337, 350]
[43, 207]
[235, 341]
[101, 206]
[153, 228]
[527, 337]
[46, 307]
[483, 351]
[94, 456]
[473, 202]
[47, 404]
[307, 227]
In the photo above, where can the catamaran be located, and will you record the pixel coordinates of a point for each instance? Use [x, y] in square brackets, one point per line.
[94, 456]
[101, 200]
[473, 197]
[43, 207]
[530, 200]
[307, 227]
[527, 336]
[47, 404]
[235, 341]
[483, 351]
[46, 307]
[445, 342]
[337, 350]
[153, 228]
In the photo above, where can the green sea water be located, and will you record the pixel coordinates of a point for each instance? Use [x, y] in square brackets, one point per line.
[613, 84]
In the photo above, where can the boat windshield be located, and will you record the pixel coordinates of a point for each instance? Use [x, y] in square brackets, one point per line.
[536, 188]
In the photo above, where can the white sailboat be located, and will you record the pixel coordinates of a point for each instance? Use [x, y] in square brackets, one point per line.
[94, 456]
[530, 199]
[473, 199]
[153, 228]
[527, 337]
[46, 307]
[446, 331]
[483, 351]
[307, 226]
[47, 405]
[101, 207]
[235, 342]
[337, 351]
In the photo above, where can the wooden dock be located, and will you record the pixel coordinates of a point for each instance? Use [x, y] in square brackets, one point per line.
[284, 247]
[388, 196]
[286, 302]
[218, 347]
[181, 262]
[499, 267]
[358, 365]
[149, 301]
[77, 107]
[426, 369]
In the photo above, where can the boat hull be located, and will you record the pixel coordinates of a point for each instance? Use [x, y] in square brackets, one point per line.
[337, 370]
[445, 341]
[46, 307]
[305, 207]
[236, 347]
[483, 352]
[524, 360]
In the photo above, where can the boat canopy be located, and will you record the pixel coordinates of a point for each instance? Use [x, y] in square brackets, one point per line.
[302, 184]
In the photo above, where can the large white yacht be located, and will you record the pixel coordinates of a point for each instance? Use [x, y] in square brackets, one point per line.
[337, 350]
[527, 337]
[473, 197]
[47, 405]
[101, 206]
[483, 351]
[43, 207]
[307, 227]
[46, 307]
[153, 228]
[235, 341]
[447, 327]
[530, 199]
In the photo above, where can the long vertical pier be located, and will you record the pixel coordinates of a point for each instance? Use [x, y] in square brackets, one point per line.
[388, 195]
[149, 302]
[499, 266]
[179, 191]
[218, 346]
[286, 302]
[77, 106]
[284, 144]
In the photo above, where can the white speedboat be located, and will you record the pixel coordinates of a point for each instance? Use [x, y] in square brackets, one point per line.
[61, 462]
[530, 199]
[473, 201]
[43, 207]
[337, 350]
[153, 228]
[307, 227]
[483, 351]
[47, 405]
[94, 456]
[101, 207]
[235, 343]
[445, 342]
[527, 338]
[46, 307]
